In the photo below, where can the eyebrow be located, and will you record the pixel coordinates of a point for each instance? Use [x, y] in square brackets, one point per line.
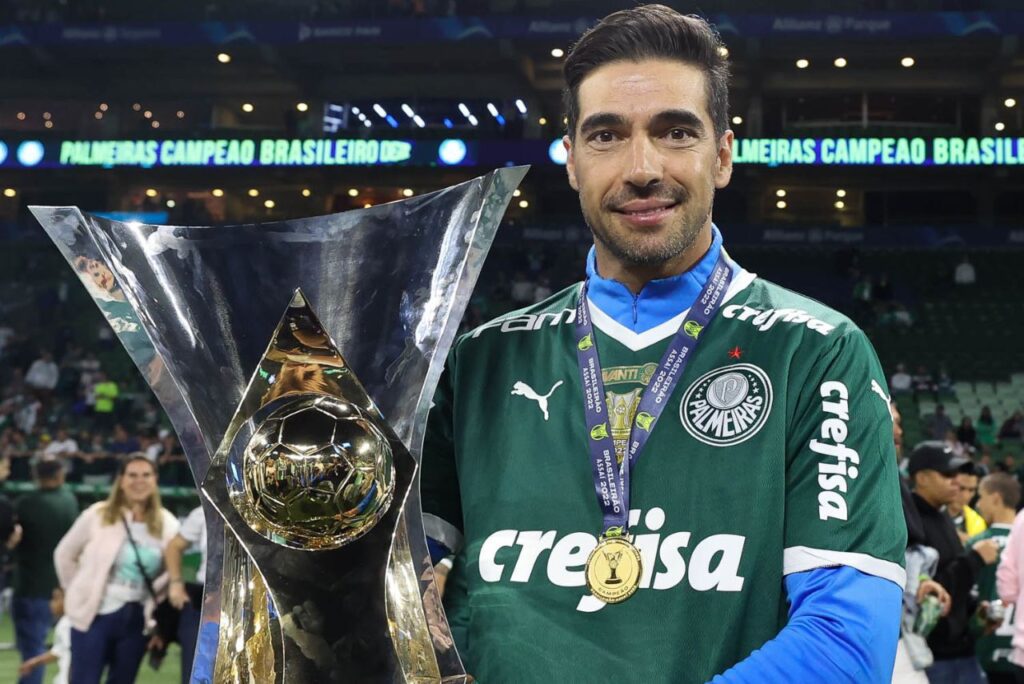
[668, 117]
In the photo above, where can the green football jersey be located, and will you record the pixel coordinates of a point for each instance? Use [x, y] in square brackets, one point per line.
[993, 650]
[774, 455]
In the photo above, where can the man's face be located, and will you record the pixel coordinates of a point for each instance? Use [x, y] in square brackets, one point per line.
[989, 503]
[967, 487]
[645, 159]
[935, 487]
[897, 428]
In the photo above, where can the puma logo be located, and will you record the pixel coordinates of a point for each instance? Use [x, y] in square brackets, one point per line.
[521, 389]
[877, 389]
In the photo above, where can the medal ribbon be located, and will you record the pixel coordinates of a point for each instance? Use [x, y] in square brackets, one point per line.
[611, 480]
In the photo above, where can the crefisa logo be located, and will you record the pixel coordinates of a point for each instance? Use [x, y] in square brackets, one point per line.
[728, 405]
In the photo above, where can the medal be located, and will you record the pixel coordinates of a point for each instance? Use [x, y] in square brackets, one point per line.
[614, 569]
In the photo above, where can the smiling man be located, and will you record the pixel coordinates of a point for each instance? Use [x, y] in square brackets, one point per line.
[673, 471]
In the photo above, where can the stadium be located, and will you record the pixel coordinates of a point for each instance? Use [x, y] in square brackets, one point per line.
[877, 169]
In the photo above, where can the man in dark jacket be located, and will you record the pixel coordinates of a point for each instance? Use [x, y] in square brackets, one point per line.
[932, 468]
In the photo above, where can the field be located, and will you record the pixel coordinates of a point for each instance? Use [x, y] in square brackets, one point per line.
[169, 673]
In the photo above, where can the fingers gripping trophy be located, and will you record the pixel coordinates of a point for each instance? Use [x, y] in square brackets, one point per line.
[302, 428]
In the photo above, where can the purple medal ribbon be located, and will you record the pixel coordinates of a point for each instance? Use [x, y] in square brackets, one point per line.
[611, 480]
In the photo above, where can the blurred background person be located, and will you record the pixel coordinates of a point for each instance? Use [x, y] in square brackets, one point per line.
[106, 564]
[45, 516]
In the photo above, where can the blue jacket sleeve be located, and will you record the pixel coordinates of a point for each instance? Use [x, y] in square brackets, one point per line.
[437, 550]
[843, 627]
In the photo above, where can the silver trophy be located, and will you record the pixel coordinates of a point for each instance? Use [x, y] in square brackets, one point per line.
[297, 361]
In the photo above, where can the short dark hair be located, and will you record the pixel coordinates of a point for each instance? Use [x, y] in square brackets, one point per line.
[650, 32]
[49, 469]
[1005, 485]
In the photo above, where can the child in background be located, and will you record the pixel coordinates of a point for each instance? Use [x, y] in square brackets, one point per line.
[60, 653]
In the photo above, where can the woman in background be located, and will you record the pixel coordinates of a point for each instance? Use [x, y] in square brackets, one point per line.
[110, 565]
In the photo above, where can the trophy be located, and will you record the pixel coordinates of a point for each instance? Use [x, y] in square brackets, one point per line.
[296, 361]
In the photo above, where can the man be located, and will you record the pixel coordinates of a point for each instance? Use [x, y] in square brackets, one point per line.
[45, 516]
[939, 424]
[43, 374]
[968, 522]
[187, 596]
[565, 571]
[1000, 494]
[901, 382]
[104, 396]
[933, 468]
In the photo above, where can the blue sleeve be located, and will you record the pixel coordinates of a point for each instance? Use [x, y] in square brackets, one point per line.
[437, 550]
[843, 627]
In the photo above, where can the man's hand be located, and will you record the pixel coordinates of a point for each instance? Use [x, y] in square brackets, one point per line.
[933, 588]
[15, 537]
[988, 549]
[177, 595]
[441, 574]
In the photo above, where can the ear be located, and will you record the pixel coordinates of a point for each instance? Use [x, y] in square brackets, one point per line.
[570, 163]
[723, 163]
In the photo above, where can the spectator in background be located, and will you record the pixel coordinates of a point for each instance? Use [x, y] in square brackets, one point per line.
[900, 382]
[933, 470]
[121, 443]
[105, 564]
[944, 385]
[543, 289]
[924, 384]
[966, 434]
[43, 374]
[1000, 494]
[1010, 584]
[985, 429]
[1013, 428]
[187, 596]
[964, 273]
[105, 392]
[150, 445]
[522, 289]
[968, 522]
[45, 516]
[939, 424]
[63, 447]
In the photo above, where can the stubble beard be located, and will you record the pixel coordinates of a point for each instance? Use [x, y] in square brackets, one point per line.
[650, 250]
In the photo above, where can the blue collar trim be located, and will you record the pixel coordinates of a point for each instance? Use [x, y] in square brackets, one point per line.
[659, 300]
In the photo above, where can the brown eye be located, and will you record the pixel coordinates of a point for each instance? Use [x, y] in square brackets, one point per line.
[678, 134]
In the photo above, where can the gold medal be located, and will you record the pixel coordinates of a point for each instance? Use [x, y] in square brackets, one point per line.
[614, 569]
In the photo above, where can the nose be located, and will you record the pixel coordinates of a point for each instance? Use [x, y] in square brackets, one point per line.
[645, 163]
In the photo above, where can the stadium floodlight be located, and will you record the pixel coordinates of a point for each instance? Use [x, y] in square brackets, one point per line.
[781, 204]
[523, 204]
[381, 112]
[723, 52]
[269, 204]
[907, 62]
[10, 192]
[418, 120]
[840, 193]
[802, 63]
[780, 193]
[30, 152]
[473, 120]
[301, 106]
[253, 192]
[408, 192]
[151, 192]
[521, 106]
[408, 110]
[217, 192]
[465, 110]
[352, 192]
[367, 123]
[171, 204]
[840, 62]
[558, 53]
[1000, 126]
[1009, 102]
[492, 109]
[452, 151]
[840, 204]
[355, 110]
[557, 152]
[542, 121]
[223, 57]
[248, 107]
[737, 120]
